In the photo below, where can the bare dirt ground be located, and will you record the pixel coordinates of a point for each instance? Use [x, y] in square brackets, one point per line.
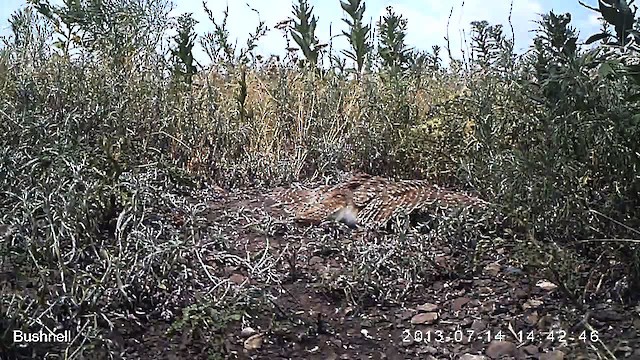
[329, 292]
[495, 313]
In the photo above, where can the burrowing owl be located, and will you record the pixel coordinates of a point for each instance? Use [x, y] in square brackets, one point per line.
[365, 200]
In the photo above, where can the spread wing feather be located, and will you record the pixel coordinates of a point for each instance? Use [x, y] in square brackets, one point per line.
[375, 199]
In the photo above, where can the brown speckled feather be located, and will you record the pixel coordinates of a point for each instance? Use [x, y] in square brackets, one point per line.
[371, 201]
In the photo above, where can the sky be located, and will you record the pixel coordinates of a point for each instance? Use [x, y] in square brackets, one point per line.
[427, 19]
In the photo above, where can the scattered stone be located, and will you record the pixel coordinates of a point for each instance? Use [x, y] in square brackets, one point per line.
[315, 260]
[513, 270]
[237, 279]
[426, 350]
[607, 315]
[331, 355]
[459, 303]
[425, 318]
[544, 322]
[409, 341]
[546, 285]
[485, 291]
[348, 311]
[532, 304]
[623, 351]
[365, 333]
[488, 307]
[498, 349]
[427, 307]
[466, 321]
[478, 325]
[407, 314]
[492, 269]
[247, 331]
[437, 286]
[254, 342]
[552, 355]
[532, 318]
[472, 357]
[530, 350]
[520, 294]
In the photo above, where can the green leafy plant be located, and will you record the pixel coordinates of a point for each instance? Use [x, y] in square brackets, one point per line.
[392, 31]
[620, 15]
[491, 48]
[115, 30]
[219, 47]
[303, 32]
[185, 65]
[622, 55]
[359, 34]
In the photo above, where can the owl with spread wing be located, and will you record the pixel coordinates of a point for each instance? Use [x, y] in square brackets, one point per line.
[368, 201]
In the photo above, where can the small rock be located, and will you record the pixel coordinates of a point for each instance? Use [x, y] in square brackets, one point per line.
[424, 318]
[427, 307]
[437, 286]
[442, 261]
[492, 269]
[532, 304]
[365, 333]
[248, 331]
[513, 270]
[405, 314]
[488, 307]
[532, 318]
[407, 342]
[426, 350]
[485, 291]
[459, 303]
[607, 315]
[254, 342]
[498, 349]
[472, 357]
[623, 351]
[237, 279]
[530, 349]
[520, 294]
[544, 322]
[552, 355]
[331, 355]
[466, 321]
[348, 310]
[478, 325]
[546, 285]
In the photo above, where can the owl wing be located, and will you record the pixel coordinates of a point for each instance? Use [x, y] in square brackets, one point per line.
[314, 205]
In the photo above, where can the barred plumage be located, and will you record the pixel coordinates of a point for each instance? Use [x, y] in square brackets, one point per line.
[366, 200]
